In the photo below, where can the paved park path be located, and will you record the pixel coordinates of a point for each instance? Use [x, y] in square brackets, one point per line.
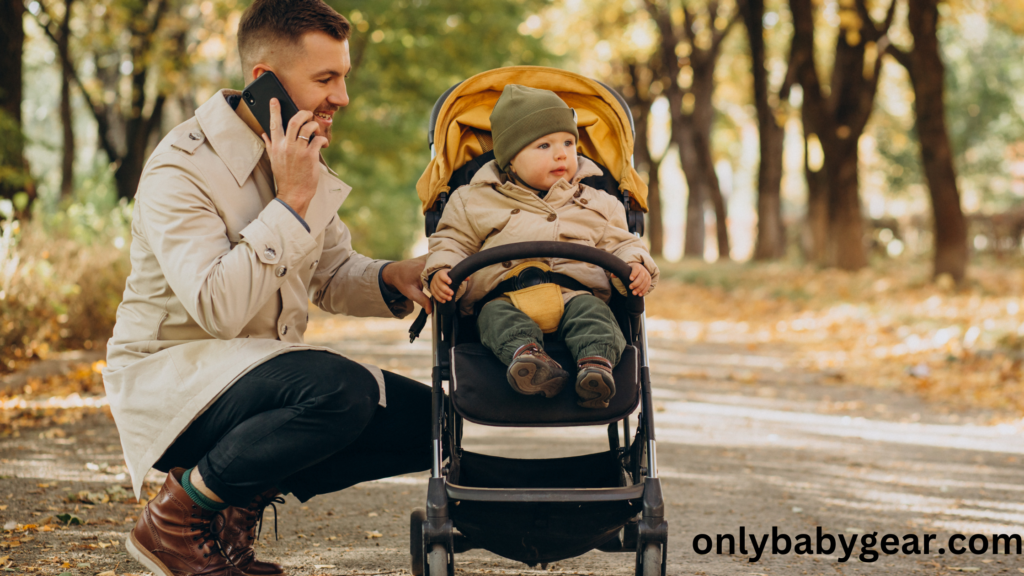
[747, 441]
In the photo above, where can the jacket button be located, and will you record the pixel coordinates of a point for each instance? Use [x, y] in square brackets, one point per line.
[578, 194]
[270, 252]
[195, 136]
[506, 264]
[313, 265]
[552, 218]
[281, 271]
[284, 330]
[583, 200]
[515, 211]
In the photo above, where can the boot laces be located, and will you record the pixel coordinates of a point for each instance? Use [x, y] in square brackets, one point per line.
[209, 532]
[256, 509]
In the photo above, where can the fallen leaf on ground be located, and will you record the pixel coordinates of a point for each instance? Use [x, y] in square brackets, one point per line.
[373, 534]
[69, 519]
[107, 573]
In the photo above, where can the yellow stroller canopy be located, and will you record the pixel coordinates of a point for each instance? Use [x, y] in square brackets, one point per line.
[463, 127]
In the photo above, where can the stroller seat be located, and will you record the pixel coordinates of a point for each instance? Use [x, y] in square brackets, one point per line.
[480, 391]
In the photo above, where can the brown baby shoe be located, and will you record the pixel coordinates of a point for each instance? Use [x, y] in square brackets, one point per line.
[532, 371]
[594, 383]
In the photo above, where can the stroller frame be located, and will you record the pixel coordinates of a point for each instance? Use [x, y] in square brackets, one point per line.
[433, 539]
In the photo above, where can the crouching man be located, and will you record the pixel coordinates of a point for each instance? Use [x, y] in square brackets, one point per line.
[208, 378]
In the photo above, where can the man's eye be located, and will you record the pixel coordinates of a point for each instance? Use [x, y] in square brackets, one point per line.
[324, 81]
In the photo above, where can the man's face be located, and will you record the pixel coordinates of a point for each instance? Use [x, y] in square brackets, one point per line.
[313, 72]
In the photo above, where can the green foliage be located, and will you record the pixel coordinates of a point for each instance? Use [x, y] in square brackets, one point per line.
[13, 175]
[984, 114]
[405, 54]
[61, 279]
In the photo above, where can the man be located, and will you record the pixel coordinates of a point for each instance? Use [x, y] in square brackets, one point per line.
[208, 378]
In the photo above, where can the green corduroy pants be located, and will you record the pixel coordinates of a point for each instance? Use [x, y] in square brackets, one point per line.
[588, 328]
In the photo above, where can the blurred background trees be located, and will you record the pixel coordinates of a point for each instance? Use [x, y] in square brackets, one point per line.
[838, 133]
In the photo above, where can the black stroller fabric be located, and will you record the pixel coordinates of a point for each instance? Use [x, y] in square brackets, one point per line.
[482, 393]
[535, 532]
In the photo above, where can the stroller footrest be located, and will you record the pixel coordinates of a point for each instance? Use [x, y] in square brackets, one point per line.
[456, 492]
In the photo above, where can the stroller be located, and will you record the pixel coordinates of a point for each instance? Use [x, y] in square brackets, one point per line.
[535, 511]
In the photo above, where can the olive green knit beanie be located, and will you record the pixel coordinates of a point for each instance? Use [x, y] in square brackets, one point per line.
[524, 114]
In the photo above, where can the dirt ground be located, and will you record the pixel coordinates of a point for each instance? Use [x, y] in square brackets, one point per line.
[748, 440]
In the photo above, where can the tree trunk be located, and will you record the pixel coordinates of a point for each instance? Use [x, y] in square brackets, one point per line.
[703, 118]
[645, 163]
[846, 225]
[714, 192]
[771, 233]
[12, 143]
[816, 232]
[839, 118]
[693, 242]
[691, 129]
[67, 182]
[927, 77]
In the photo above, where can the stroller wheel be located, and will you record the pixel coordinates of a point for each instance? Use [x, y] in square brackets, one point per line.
[416, 520]
[651, 561]
[437, 561]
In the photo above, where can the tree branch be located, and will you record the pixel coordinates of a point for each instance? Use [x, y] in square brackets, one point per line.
[718, 37]
[99, 111]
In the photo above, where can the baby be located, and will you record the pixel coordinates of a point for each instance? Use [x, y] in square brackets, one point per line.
[532, 191]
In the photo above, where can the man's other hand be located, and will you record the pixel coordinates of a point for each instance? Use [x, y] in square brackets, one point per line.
[294, 157]
[404, 276]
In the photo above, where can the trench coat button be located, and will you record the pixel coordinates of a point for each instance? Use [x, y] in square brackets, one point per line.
[281, 271]
[506, 264]
[313, 265]
[270, 253]
[195, 136]
[552, 218]
[578, 194]
[583, 200]
[515, 210]
[284, 330]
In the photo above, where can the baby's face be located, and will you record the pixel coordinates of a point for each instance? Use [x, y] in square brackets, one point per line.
[546, 160]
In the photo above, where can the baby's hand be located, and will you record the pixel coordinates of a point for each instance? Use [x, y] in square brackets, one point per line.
[640, 279]
[439, 286]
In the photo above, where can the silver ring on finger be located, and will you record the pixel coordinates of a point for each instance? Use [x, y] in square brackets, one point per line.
[306, 138]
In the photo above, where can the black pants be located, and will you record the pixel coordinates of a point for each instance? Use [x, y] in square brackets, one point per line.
[308, 423]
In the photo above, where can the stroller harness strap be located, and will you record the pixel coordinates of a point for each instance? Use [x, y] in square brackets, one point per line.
[535, 290]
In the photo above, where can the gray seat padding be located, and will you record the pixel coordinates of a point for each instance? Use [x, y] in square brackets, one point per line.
[482, 394]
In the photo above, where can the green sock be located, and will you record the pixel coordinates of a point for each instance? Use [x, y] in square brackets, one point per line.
[197, 496]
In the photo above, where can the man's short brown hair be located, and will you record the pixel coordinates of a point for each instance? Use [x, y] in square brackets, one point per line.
[269, 23]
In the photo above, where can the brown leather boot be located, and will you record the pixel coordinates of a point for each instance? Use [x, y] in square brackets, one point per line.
[240, 533]
[532, 371]
[175, 537]
[595, 385]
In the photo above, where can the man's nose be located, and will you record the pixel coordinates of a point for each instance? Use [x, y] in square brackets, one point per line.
[339, 97]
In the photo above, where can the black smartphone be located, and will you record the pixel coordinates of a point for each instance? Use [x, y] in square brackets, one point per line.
[257, 97]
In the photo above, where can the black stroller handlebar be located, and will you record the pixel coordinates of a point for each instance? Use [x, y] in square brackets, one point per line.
[522, 250]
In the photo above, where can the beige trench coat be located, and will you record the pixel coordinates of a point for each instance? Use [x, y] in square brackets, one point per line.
[491, 211]
[221, 279]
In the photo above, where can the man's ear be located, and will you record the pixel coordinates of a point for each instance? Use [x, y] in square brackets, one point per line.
[259, 69]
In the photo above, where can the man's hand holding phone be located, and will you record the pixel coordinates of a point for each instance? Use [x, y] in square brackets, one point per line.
[294, 156]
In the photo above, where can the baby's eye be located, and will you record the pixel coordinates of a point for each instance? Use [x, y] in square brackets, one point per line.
[570, 143]
[544, 146]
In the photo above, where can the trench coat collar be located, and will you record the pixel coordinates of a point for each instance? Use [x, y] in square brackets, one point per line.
[231, 138]
[559, 193]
